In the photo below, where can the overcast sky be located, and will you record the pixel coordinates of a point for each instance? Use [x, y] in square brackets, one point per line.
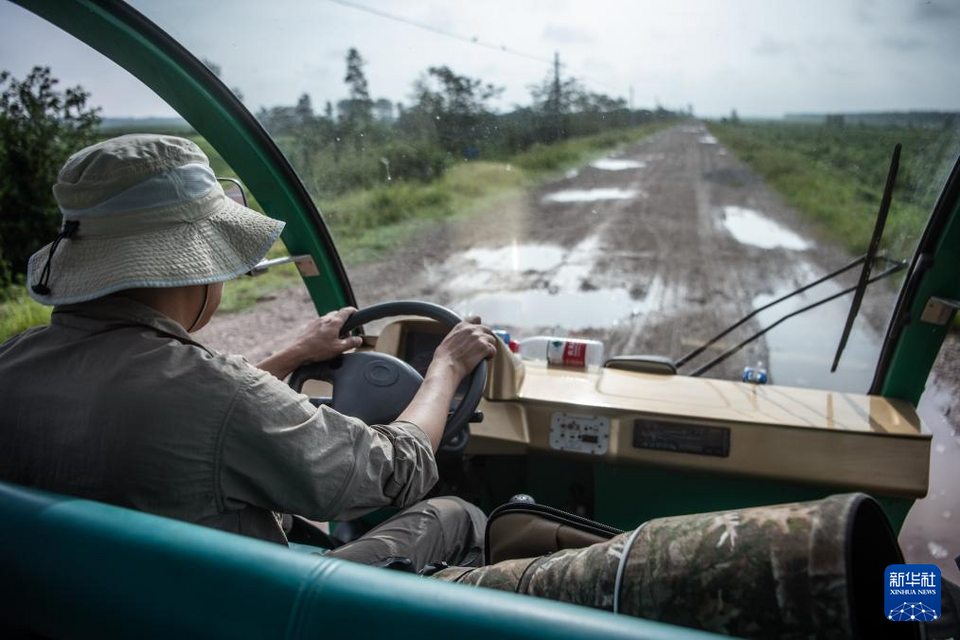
[762, 57]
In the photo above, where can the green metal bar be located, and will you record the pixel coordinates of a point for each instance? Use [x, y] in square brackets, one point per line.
[913, 344]
[920, 343]
[136, 44]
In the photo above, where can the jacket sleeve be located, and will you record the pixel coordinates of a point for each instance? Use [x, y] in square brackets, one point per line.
[279, 452]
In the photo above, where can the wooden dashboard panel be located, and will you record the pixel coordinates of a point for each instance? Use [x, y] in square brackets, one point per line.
[847, 440]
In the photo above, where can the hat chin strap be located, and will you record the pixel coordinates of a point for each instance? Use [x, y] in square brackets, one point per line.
[206, 300]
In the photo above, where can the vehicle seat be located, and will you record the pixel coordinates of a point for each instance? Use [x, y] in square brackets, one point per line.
[82, 569]
[521, 528]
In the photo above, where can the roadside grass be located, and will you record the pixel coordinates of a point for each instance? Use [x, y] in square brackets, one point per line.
[19, 312]
[835, 175]
[369, 222]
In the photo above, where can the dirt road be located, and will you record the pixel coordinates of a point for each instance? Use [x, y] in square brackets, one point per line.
[652, 249]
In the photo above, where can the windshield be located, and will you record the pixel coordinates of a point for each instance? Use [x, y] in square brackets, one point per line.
[638, 173]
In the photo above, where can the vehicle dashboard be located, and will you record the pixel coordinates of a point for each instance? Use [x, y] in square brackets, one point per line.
[698, 424]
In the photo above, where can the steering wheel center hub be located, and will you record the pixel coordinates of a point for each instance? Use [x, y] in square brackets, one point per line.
[381, 374]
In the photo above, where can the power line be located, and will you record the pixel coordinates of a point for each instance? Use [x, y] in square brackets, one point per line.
[421, 25]
[456, 36]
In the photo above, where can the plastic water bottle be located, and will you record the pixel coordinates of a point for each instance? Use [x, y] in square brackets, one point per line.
[563, 352]
[755, 375]
[504, 335]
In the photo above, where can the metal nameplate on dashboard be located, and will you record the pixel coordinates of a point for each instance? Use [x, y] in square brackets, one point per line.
[581, 433]
[681, 438]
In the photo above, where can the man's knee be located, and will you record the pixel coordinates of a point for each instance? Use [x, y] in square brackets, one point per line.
[452, 508]
[458, 515]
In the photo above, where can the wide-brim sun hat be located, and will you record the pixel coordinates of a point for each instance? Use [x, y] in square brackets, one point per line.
[144, 211]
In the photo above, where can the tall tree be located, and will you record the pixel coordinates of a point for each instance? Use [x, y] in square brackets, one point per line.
[304, 109]
[39, 128]
[359, 89]
[455, 107]
[383, 109]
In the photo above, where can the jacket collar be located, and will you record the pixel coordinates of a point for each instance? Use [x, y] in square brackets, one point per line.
[116, 311]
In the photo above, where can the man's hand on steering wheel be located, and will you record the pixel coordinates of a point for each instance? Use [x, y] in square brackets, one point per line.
[464, 347]
[467, 344]
[379, 388]
[319, 341]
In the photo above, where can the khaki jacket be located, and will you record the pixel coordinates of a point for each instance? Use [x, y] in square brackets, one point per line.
[115, 402]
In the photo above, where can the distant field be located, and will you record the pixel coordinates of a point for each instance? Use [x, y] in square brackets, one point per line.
[835, 175]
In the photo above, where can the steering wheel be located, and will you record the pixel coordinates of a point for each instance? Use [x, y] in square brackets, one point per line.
[376, 387]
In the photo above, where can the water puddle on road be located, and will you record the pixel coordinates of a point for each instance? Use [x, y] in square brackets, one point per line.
[617, 164]
[487, 267]
[751, 227]
[708, 139]
[543, 285]
[572, 311]
[592, 195]
[516, 257]
[801, 349]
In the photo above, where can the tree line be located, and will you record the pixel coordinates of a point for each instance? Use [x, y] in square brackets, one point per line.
[359, 142]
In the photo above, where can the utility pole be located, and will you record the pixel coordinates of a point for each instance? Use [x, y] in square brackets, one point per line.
[556, 81]
[556, 97]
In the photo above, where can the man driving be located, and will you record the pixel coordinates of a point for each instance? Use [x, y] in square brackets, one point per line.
[115, 401]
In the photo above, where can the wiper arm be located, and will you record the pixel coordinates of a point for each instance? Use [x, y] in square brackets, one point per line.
[706, 345]
[871, 252]
[897, 266]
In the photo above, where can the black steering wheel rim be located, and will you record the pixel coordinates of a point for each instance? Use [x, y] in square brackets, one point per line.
[459, 419]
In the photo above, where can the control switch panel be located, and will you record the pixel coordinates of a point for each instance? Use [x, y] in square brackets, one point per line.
[581, 433]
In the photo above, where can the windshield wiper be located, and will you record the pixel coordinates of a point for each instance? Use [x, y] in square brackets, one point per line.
[867, 260]
[897, 266]
[706, 345]
[871, 252]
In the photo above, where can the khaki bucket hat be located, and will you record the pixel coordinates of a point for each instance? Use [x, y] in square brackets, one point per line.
[144, 211]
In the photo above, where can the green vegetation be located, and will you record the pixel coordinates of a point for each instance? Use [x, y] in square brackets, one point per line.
[18, 312]
[40, 127]
[835, 174]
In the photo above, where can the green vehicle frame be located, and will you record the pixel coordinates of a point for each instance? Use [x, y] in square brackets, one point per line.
[98, 570]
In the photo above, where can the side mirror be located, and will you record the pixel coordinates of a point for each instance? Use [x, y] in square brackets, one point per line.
[234, 190]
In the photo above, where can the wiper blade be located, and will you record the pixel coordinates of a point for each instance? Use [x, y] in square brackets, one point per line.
[871, 252]
[897, 266]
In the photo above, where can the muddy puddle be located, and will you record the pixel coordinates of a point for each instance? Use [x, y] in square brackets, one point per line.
[617, 164]
[752, 227]
[592, 195]
[801, 350]
[707, 139]
[571, 311]
[531, 286]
